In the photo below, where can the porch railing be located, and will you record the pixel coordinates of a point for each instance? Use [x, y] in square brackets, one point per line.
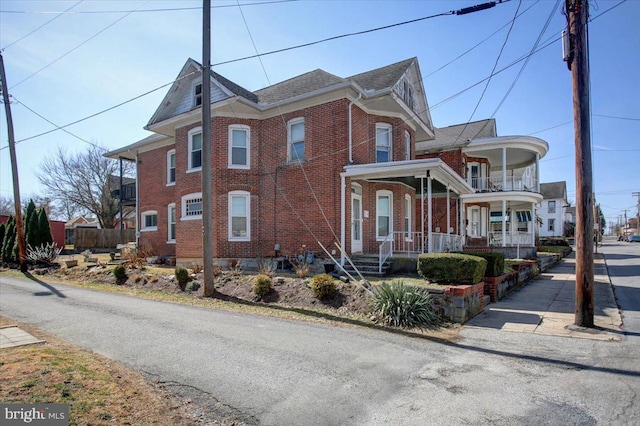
[385, 251]
[412, 243]
[513, 183]
[515, 239]
[446, 242]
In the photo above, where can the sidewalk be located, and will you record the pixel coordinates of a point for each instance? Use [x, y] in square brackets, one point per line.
[546, 305]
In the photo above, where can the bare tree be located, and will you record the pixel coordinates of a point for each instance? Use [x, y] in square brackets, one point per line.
[6, 206]
[84, 180]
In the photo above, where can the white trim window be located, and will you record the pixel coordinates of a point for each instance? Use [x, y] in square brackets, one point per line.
[474, 222]
[295, 139]
[383, 143]
[408, 216]
[197, 94]
[407, 146]
[195, 149]
[191, 206]
[239, 146]
[384, 214]
[149, 221]
[407, 95]
[552, 207]
[171, 223]
[551, 225]
[239, 216]
[171, 167]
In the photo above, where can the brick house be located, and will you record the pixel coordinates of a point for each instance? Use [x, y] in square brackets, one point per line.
[310, 161]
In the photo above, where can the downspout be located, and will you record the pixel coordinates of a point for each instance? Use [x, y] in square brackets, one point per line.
[137, 203]
[343, 213]
[350, 130]
[429, 218]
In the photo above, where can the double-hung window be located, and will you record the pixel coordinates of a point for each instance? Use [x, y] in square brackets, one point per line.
[171, 223]
[552, 225]
[384, 217]
[407, 218]
[191, 206]
[239, 146]
[171, 167]
[407, 146]
[383, 143]
[239, 216]
[149, 221]
[552, 207]
[295, 130]
[197, 94]
[195, 149]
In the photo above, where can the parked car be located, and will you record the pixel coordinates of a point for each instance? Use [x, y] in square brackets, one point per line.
[634, 239]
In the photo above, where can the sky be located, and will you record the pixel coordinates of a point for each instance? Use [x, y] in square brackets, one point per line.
[63, 67]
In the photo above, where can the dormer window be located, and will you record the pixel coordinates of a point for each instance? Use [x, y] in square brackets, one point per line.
[197, 94]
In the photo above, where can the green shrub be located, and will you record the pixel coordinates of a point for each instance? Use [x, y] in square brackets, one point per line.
[495, 262]
[182, 276]
[451, 268]
[556, 249]
[261, 285]
[403, 306]
[119, 272]
[323, 286]
[192, 286]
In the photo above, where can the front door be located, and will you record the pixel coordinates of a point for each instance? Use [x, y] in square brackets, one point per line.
[356, 218]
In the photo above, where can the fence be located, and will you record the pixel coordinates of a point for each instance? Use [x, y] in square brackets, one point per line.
[91, 238]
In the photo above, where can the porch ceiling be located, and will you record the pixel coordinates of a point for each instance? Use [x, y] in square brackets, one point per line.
[521, 150]
[410, 173]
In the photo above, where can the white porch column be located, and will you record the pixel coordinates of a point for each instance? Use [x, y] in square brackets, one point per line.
[448, 212]
[343, 214]
[422, 214]
[504, 221]
[504, 168]
[534, 224]
[430, 208]
[537, 173]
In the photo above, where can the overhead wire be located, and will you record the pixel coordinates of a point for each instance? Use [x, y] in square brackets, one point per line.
[39, 27]
[74, 49]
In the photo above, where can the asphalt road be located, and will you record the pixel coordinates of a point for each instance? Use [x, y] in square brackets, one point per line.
[278, 372]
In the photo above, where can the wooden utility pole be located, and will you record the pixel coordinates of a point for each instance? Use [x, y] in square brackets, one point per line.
[22, 253]
[578, 61]
[637, 194]
[209, 289]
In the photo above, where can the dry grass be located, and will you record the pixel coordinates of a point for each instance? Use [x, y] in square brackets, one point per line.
[99, 391]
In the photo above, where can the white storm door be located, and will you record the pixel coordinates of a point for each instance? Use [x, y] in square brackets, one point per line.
[356, 222]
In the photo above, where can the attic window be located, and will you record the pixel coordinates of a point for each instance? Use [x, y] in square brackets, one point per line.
[407, 95]
[197, 94]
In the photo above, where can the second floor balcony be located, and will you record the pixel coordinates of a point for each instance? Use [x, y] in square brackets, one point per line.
[515, 182]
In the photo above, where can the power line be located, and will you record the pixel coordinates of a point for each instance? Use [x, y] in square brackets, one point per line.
[72, 50]
[48, 22]
[171, 9]
[617, 118]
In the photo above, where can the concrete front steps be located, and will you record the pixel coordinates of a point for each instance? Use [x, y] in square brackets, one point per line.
[368, 265]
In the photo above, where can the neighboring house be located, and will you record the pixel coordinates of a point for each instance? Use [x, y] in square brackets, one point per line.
[319, 159]
[78, 222]
[552, 211]
[570, 221]
[504, 174]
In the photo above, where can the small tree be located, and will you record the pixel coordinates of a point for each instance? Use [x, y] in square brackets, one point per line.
[3, 230]
[44, 229]
[9, 240]
[31, 236]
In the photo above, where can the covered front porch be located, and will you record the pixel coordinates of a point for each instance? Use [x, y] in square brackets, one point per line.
[429, 180]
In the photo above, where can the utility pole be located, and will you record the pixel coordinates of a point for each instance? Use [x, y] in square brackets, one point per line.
[22, 255]
[637, 194]
[209, 289]
[578, 62]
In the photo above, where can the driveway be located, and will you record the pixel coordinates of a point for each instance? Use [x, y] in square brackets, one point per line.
[277, 372]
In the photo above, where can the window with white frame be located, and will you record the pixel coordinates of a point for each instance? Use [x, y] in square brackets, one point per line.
[171, 223]
[195, 149]
[552, 207]
[197, 94]
[407, 217]
[149, 221]
[407, 146]
[239, 216]
[474, 228]
[295, 136]
[383, 143]
[551, 225]
[191, 206]
[171, 167]
[239, 146]
[408, 94]
[384, 214]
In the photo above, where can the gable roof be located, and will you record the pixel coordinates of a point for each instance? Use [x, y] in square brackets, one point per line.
[382, 78]
[296, 86]
[554, 190]
[459, 135]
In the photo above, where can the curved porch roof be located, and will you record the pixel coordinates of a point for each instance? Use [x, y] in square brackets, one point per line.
[521, 150]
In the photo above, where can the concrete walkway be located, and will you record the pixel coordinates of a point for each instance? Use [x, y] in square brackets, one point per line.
[546, 305]
[12, 336]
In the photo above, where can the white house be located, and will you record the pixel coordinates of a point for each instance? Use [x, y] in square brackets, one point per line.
[552, 211]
